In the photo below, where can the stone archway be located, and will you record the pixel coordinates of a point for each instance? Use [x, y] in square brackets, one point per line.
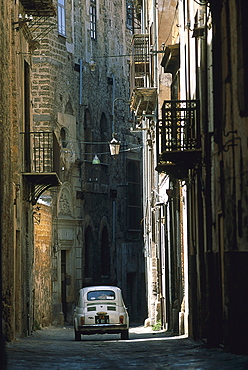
[105, 254]
[88, 254]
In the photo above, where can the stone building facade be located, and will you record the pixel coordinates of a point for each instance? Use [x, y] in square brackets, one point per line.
[66, 222]
[17, 247]
[196, 231]
[80, 92]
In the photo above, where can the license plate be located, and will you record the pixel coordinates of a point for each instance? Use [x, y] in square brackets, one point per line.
[101, 319]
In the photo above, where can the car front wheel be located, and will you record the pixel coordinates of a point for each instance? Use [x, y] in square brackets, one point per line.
[124, 334]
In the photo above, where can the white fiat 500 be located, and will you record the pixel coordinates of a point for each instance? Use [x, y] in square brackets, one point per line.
[100, 310]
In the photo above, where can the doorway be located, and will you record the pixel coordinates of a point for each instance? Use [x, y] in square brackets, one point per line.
[63, 283]
[105, 254]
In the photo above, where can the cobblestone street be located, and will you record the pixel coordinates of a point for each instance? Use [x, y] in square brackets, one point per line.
[55, 348]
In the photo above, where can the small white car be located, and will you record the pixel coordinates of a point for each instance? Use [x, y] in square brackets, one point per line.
[100, 310]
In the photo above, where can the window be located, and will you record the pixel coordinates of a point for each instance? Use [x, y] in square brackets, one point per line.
[100, 295]
[129, 11]
[134, 197]
[93, 19]
[61, 17]
[63, 137]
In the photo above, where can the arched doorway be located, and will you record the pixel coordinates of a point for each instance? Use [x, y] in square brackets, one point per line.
[105, 254]
[88, 253]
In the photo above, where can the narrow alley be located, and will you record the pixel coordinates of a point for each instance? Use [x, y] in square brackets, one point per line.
[124, 163]
[55, 348]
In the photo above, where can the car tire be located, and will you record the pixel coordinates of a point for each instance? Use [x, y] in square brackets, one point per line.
[125, 334]
[77, 335]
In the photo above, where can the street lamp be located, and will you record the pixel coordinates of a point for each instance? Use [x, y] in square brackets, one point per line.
[114, 146]
[96, 160]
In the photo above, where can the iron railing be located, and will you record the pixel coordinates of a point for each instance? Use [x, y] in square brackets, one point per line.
[140, 74]
[179, 128]
[41, 152]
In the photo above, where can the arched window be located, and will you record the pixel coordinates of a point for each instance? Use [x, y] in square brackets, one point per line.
[88, 242]
[63, 138]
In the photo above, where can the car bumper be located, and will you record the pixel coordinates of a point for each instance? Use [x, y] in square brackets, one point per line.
[102, 329]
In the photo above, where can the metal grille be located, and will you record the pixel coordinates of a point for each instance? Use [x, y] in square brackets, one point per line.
[179, 129]
[41, 142]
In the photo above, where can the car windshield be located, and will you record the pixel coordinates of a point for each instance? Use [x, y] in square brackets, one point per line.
[98, 295]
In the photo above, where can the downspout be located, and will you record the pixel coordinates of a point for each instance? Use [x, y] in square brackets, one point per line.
[80, 82]
[155, 46]
[143, 17]
[208, 146]
[156, 84]
[188, 90]
[114, 201]
[113, 107]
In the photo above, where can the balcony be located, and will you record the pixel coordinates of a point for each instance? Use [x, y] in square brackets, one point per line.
[144, 96]
[37, 19]
[178, 138]
[39, 8]
[41, 162]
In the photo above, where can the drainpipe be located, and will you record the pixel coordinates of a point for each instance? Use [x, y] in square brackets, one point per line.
[155, 43]
[143, 17]
[160, 272]
[80, 82]
[114, 201]
[188, 90]
[113, 106]
[3, 357]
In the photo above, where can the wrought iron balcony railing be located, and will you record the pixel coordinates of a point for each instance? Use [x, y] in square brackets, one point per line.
[144, 94]
[41, 162]
[140, 73]
[41, 152]
[178, 137]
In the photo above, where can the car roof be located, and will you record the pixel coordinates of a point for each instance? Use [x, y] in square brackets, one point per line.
[99, 287]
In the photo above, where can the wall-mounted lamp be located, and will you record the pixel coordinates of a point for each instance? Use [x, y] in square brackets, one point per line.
[92, 65]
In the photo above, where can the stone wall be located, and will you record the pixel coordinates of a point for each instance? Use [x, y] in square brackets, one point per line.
[42, 266]
[16, 218]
